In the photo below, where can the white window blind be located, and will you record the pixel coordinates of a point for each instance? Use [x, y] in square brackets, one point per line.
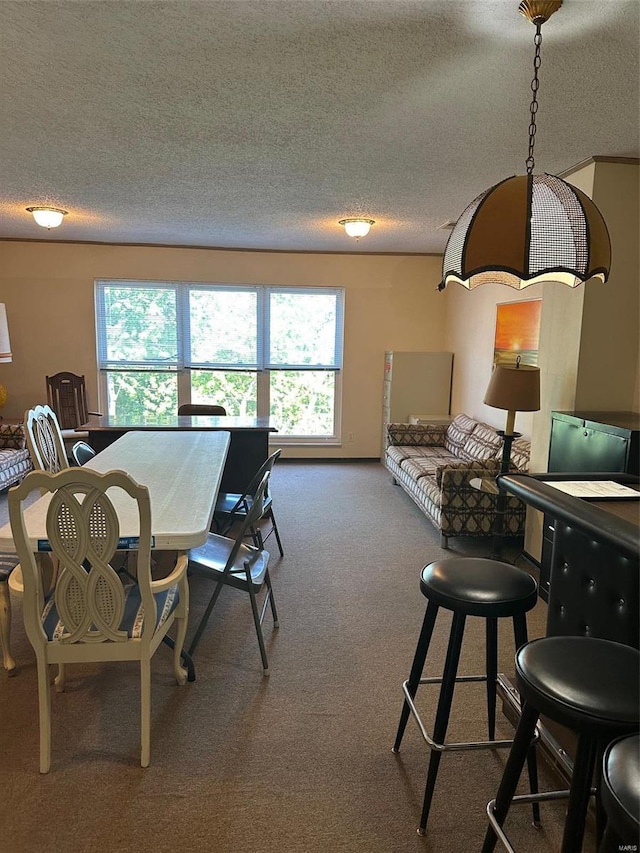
[138, 326]
[170, 326]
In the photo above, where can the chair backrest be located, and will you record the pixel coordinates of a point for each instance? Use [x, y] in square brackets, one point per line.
[67, 396]
[82, 452]
[201, 409]
[44, 440]
[249, 521]
[83, 535]
[266, 467]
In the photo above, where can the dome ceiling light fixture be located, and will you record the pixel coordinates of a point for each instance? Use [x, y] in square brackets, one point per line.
[529, 229]
[357, 227]
[48, 217]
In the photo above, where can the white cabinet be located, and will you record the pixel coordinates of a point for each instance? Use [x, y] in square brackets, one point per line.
[416, 382]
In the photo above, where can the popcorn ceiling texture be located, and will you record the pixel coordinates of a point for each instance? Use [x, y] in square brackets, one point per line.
[261, 123]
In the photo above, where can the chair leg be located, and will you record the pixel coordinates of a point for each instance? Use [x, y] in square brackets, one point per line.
[275, 530]
[492, 673]
[44, 703]
[145, 711]
[416, 668]
[443, 711]
[59, 679]
[256, 619]
[5, 628]
[579, 793]
[272, 601]
[181, 634]
[517, 757]
[205, 618]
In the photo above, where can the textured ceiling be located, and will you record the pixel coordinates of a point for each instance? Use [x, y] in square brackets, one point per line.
[260, 123]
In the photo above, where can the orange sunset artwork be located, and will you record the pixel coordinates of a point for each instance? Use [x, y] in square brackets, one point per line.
[517, 332]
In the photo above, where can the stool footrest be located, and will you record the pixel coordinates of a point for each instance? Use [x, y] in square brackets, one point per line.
[523, 799]
[446, 747]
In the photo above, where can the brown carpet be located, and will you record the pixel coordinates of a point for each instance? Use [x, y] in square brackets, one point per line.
[300, 761]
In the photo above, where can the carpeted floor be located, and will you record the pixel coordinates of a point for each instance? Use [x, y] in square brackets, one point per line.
[300, 761]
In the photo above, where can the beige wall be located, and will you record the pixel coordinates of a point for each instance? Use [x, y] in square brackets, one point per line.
[588, 340]
[609, 340]
[471, 321]
[391, 303]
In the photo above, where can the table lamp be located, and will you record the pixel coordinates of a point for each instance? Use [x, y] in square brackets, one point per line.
[516, 388]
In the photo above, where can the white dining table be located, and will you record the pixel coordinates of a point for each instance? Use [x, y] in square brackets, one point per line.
[182, 471]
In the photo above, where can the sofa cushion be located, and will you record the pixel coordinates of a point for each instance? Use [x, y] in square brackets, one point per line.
[12, 436]
[399, 454]
[426, 466]
[483, 443]
[520, 454]
[457, 433]
[14, 465]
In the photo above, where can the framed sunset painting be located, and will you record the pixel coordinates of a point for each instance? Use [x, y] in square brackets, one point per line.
[517, 332]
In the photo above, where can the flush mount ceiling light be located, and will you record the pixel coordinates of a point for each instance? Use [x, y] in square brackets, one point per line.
[529, 228]
[48, 217]
[357, 227]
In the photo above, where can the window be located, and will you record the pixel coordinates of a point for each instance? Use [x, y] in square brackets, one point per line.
[259, 351]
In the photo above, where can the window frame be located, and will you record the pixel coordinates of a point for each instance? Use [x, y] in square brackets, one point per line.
[183, 365]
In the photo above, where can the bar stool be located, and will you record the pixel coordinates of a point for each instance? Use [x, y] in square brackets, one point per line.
[467, 586]
[620, 793]
[592, 687]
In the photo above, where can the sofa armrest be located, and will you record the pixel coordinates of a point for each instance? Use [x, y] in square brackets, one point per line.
[457, 475]
[415, 435]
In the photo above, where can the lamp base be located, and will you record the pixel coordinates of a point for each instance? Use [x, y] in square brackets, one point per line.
[501, 501]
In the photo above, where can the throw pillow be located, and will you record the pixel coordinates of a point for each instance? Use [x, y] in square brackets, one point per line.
[12, 437]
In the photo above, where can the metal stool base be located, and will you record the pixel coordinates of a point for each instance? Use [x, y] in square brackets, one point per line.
[445, 747]
[519, 800]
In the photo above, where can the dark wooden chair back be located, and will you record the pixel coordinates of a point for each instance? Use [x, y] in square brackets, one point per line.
[67, 396]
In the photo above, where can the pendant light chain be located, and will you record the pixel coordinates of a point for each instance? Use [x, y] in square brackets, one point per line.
[535, 83]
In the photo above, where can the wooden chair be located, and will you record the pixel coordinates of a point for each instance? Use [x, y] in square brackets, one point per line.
[89, 615]
[67, 396]
[245, 567]
[201, 409]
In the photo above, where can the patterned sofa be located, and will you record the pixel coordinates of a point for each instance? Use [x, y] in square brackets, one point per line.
[434, 464]
[15, 462]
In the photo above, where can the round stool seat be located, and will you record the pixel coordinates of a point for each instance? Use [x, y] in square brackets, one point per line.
[476, 586]
[621, 786]
[584, 683]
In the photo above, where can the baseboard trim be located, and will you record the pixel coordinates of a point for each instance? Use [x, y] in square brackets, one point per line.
[331, 459]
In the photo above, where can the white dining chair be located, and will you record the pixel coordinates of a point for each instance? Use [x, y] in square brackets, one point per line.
[89, 614]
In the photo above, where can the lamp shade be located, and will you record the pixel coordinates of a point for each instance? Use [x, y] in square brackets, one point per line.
[525, 230]
[5, 344]
[514, 387]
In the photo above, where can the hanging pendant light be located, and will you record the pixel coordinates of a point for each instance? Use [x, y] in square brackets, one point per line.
[529, 228]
